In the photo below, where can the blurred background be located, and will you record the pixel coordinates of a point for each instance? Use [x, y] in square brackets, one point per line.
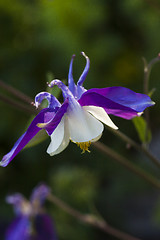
[38, 37]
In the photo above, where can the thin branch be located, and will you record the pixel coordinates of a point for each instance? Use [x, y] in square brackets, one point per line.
[138, 147]
[91, 219]
[18, 105]
[16, 92]
[129, 165]
[147, 71]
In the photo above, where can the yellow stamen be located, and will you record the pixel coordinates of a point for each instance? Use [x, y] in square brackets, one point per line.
[84, 146]
[41, 125]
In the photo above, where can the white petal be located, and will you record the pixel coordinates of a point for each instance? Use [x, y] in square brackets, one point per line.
[139, 114]
[101, 115]
[63, 145]
[56, 137]
[83, 127]
[97, 138]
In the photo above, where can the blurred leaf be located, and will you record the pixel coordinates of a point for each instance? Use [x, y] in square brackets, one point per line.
[49, 76]
[75, 185]
[156, 212]
[55, 90]
[151, 92]
[141, 127]
[38, 138]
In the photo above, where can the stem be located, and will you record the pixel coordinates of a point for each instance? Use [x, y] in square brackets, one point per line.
[16, 92]
[130, 166]
[147, 71]
[91, 219]
[140, 148]
[18, 105]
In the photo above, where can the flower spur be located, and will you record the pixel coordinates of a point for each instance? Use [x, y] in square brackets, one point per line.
[79, 118]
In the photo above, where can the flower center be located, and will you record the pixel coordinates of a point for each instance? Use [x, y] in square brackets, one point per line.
[84, 146]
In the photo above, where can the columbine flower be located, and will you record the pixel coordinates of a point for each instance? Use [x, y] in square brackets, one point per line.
[31, 222]
[81, 115]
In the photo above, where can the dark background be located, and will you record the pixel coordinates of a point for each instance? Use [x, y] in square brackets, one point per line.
[40, 36]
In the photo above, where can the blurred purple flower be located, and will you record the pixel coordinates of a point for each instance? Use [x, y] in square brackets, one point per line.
[31, 222]
[81, 115]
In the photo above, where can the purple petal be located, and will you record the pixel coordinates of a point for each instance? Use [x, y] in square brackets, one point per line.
[126, 97]
[94, 99]
[71, 84]
[19, 229]
[80, 88]
[52, 100]
[65, 90]
[44, 228]
[40, 193]
[118, 101]
[44, 116]
[17, 200]
[53, 123]
[85, 71]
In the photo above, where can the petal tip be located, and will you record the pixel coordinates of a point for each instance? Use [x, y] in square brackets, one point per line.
[2, 165]
[139, 114]
[83, 54]
[4, 162]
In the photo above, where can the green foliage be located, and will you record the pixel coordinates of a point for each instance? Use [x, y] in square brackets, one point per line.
[156, 212]
[76, 185]
[38, 138]
[142, 129]
[55, 90]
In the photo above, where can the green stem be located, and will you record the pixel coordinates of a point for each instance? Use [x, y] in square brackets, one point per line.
[130, 166]
[91, 219]
[147, 71]
[140, 148]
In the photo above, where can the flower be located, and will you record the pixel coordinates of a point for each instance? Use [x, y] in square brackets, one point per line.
[31, 222]
[81, 115]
